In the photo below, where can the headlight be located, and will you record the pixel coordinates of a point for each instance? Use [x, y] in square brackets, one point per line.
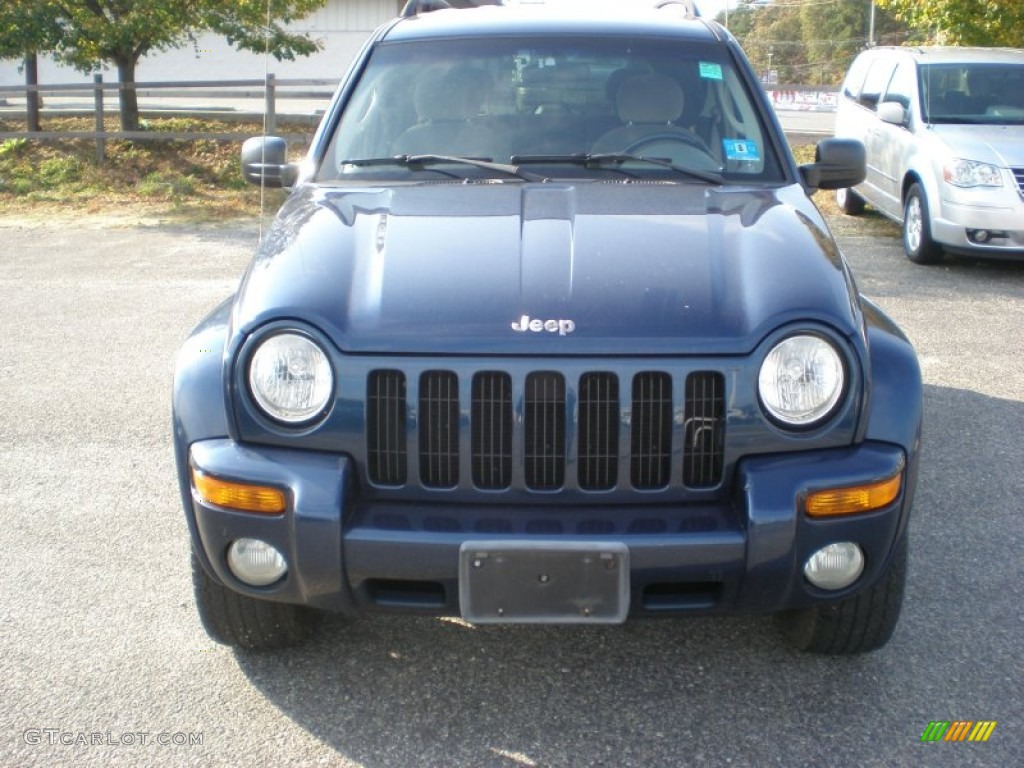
[801, 380]
[290, 378]
[967, 173]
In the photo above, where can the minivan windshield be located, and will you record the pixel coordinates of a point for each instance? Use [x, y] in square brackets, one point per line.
[559, 107]
[981, 93]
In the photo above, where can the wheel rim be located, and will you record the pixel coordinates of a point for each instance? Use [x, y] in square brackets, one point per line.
[914, 223]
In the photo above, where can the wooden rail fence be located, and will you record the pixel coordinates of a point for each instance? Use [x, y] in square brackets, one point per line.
[268, 91]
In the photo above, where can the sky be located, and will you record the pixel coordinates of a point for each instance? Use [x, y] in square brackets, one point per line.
[711, 8]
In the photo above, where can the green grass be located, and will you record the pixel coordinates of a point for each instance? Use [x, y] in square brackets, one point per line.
[190, 180]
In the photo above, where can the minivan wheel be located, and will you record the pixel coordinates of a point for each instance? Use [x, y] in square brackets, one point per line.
[849, 202]
[917, 231]
[247, 623]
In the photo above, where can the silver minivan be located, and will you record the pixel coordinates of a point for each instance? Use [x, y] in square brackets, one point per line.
[944, 133]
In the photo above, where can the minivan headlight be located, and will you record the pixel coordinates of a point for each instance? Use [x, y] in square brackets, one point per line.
[968, 173]
[290, 378]
[801, 380]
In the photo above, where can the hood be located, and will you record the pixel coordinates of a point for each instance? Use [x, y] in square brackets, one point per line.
[1001, 145]
[534, 269]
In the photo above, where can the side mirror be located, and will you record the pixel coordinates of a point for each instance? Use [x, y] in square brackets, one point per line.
[265, 162]
[893, 113]
[838, 163]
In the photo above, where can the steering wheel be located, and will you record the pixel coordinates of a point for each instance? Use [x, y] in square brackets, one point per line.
[688, 139]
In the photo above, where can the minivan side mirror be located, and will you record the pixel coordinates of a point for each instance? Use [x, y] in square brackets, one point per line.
[838, 163]
[265, 162]
[892, 112]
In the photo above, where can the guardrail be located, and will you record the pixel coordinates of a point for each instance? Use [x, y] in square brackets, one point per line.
[268, 91]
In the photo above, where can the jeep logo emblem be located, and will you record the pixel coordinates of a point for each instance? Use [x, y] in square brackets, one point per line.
[536, 325]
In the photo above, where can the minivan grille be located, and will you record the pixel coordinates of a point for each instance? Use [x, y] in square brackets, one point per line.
[657, 428]
[1018, 174]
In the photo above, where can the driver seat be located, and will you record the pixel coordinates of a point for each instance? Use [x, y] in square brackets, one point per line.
[648, 105]
[448, 106]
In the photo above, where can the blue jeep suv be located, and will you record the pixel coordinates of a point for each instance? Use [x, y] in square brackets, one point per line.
[549, 330]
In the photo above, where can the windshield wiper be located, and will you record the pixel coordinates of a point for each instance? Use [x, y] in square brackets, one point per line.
[414, 161]
[615, 158]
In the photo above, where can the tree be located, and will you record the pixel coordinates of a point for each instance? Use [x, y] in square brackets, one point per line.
[28, 28]
[741, 18]
[121, 32]
[809, 41]
[834, 33]
[962, 22]
[772, 37]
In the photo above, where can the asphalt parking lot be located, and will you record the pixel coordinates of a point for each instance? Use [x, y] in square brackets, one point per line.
[103, 661]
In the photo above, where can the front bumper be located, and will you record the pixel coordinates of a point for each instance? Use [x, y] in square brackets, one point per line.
[963, 213]
[743, 555]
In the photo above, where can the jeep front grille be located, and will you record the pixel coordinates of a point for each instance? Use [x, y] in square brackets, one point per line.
[386, 427]
[547, 424]
[544, 431]
[652, 430]
[598, 445]
[491, 425]
[439, 429]
[703, 445]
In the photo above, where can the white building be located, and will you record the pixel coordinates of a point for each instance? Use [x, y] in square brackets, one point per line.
[341, 25]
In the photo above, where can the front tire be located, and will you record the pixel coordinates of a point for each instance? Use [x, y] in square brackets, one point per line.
[244, 622]
[849, 202]
[917, 230]
[858, 625]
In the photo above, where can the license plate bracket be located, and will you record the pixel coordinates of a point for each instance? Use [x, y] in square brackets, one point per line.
[530, 582]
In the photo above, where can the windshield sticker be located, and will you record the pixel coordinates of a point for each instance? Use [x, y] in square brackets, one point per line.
[740, 149]
[710, 70]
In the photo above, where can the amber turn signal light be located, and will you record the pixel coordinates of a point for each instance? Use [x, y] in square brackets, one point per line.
[240, 496]
[853, 500]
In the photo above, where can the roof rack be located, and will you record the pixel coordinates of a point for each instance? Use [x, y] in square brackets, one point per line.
[416, 7]
[690, 9]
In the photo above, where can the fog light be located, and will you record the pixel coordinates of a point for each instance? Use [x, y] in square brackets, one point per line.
[835, 566]
[979, 235]
[255, 562]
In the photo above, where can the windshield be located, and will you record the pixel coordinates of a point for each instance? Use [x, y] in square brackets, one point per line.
[981, 93]
[661, 108]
